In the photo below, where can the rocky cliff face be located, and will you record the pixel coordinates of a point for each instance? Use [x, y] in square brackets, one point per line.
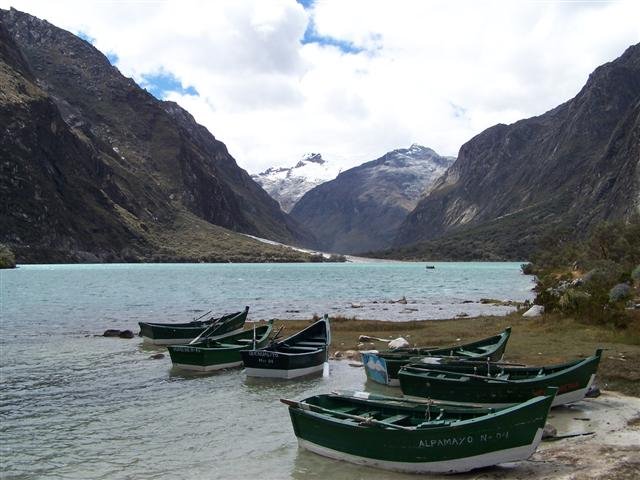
[361, 209]
[92, 163]
[288, 185]
[573, 166]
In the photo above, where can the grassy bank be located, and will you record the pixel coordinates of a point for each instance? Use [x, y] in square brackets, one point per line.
[544, 340]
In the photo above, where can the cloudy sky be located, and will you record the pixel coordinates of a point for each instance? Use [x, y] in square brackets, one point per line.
[352, 79]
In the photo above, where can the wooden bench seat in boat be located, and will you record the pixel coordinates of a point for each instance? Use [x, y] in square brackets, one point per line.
[311, 344]
[301, 348]
[395, 418]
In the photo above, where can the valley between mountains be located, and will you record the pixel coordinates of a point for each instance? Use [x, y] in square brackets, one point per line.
[96, 169]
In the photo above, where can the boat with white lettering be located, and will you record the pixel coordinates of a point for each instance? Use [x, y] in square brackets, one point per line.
[479, 383]
[383, 367]
[300, 354]
[181, 333]
[417, 437]
[211, 354]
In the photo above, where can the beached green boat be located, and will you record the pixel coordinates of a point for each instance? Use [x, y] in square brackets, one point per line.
[181, 333]
[224, 352]
[418, 437]
[383, 367]
[303, 353]
[498, 385]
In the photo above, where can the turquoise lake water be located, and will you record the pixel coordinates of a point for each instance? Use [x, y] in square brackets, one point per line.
[75, 405]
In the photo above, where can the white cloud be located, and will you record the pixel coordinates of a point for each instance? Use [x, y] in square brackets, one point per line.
[431, 72]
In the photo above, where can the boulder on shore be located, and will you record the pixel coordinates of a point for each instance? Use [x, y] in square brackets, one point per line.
[534, 311]
[398, 343]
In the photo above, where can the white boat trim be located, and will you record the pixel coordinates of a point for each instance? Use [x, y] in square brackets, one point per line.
[183, 341]
[207, 368]
[282, 373]
[448, 466]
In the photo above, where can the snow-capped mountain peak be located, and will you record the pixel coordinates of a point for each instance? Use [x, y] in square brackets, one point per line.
[288, 184]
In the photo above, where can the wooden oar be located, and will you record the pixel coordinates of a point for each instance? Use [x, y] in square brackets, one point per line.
[366, 420]
[204, 315]
[206, 330]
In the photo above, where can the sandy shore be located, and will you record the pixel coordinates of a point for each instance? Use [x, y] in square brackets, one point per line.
[611, 452]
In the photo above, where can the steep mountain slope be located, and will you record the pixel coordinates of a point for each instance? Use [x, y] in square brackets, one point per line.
[93, 166]
[361, 209]
[571, 167]
[288, 185]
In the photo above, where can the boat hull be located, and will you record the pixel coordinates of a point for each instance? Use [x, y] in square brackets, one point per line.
[460, 388]
[181, 340]
[181, 333]
[275, 364]
[506, 436]
[383, 367]
[209, 355]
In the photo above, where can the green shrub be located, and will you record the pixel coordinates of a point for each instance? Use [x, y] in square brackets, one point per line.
[7, 258]
[619, 293]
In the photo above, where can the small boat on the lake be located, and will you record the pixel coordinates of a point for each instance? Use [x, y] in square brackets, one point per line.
[498, 385]
[404, 436]
[430, 267]
[300, 354]
[382, 367]
[181, 333]
[211, 354]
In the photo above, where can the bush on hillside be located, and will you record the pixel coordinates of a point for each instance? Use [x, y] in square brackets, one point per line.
[609, 255]
[7, 258]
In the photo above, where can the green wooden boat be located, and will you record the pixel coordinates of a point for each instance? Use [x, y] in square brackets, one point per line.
[181, 333]
[498, 384]
[383, 367]
[418, 437]
[224, 352]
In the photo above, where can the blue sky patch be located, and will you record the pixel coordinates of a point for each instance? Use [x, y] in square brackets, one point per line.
[86, 37]
[113, 58]
[160, 84]
[312, 36]
[306, 3]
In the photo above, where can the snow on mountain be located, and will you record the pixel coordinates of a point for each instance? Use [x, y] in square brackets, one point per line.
[287, 185]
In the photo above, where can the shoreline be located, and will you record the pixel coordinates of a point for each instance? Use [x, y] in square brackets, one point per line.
[544, 340]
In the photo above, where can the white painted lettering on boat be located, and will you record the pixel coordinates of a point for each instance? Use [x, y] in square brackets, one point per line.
[485, 437]
[185, 349]
[262, 353]
[447, 442]
[466, 440]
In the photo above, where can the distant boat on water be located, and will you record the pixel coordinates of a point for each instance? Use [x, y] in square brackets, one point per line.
[430, 267]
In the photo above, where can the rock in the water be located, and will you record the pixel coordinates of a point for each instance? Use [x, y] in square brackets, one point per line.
[112, 332]
[549, 431]
[534, 311]
[398, 343]
[403, 300]
[157, 356]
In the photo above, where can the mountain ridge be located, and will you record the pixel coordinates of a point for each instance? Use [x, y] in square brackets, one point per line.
[573, 166]
[124, 168]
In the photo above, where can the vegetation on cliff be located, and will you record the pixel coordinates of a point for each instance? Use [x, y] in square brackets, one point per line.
[7, 259]
[595, 280]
